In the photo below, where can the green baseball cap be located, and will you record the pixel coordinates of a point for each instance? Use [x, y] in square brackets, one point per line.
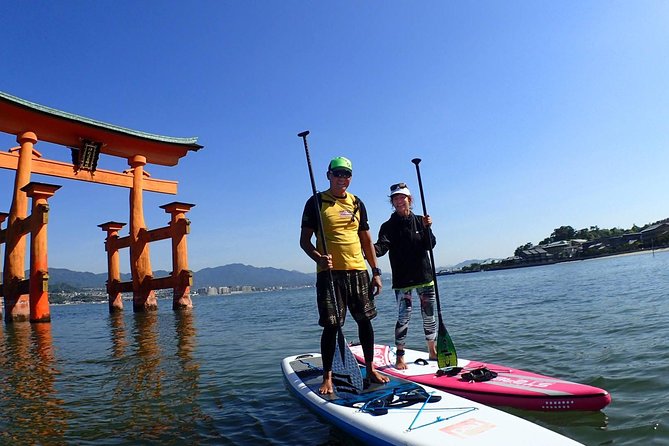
[340, 163]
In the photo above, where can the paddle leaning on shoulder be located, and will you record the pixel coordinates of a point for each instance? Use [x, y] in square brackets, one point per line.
[342, 278]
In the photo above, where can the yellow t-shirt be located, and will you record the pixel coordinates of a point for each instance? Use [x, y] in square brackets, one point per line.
[342, 219]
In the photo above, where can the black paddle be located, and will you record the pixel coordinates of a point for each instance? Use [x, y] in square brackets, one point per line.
[344, 364]
[446, 354]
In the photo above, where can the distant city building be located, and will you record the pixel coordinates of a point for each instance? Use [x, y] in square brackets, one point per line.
[535, 254]
[215, 291]
[564, 248]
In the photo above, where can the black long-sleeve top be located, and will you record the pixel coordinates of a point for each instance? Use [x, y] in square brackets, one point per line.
[405, 238]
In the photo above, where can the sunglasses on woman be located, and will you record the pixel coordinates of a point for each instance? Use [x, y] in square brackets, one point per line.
[397, 186]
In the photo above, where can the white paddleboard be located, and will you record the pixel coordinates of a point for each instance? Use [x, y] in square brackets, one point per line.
[397, 413]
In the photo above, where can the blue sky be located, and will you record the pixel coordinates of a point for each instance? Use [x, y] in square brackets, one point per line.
[528, 115]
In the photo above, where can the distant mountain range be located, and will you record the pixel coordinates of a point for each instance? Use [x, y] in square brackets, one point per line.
[234, 274]
[237, 274]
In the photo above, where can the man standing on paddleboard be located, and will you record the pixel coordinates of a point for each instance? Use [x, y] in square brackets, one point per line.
[347, 236]
[405, 236]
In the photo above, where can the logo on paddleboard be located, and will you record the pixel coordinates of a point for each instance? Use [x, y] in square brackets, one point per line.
[468, 428]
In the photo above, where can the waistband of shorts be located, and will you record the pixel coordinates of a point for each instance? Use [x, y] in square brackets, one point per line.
[421, 285]
[344, 272]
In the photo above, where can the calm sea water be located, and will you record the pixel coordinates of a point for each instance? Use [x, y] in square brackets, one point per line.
[213, 376]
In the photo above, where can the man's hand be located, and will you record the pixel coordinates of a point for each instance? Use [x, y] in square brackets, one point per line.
[325, 262]
[377, 285]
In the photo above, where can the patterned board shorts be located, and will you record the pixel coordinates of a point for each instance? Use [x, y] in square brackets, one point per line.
[352, 291]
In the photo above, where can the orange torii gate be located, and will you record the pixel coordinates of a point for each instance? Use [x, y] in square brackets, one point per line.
[27, 299]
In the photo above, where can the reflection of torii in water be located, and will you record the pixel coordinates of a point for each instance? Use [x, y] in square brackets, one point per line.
[87, 138]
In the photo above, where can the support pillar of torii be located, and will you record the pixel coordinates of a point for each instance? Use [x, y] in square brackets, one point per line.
[39, 265]
[143, 295]
[17, 301]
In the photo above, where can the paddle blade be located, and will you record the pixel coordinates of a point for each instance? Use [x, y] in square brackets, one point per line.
[446, 354]
[346, 374]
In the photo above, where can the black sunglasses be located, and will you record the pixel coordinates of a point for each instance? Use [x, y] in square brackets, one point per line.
[397, 186]
[341, 173]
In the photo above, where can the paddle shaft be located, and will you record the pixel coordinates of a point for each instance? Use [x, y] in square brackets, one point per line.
[416, 161]
[446, 354]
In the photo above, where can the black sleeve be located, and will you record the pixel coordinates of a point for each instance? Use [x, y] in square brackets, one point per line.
[364, 224]
[309, 218]
[382, 245]
[430, 240]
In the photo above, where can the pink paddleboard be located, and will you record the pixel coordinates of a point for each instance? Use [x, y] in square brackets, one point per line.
[511, 387]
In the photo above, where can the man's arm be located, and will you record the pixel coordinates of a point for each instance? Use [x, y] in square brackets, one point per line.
[325, 262]
[370, 255]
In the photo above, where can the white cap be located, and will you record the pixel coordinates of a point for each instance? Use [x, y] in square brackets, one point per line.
[400, 188]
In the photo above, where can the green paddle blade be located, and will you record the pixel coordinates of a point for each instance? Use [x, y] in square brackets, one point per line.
[446, 354]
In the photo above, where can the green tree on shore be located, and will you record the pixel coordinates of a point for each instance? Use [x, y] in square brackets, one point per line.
[522, 248]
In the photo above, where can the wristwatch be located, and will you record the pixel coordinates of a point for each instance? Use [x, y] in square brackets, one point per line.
[376, 272]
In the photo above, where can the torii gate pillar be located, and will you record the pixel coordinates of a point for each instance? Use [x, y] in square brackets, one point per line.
[113, 265]
[39, 266]
[3, 234]
[143, 297]
[182, 277]
[17, 303]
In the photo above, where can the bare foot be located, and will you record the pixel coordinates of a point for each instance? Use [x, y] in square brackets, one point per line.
[400, 364]
[432, 350]
[326, 387]
[376, 377]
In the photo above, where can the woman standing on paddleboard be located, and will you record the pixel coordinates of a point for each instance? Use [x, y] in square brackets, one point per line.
[404, 235]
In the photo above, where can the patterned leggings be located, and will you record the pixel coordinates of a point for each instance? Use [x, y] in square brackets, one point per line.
[428, 304]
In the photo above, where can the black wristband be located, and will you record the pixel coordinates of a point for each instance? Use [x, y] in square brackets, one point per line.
[376, 272]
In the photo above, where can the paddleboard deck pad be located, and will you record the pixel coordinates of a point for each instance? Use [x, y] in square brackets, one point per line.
[503, 386]
[402, 412]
